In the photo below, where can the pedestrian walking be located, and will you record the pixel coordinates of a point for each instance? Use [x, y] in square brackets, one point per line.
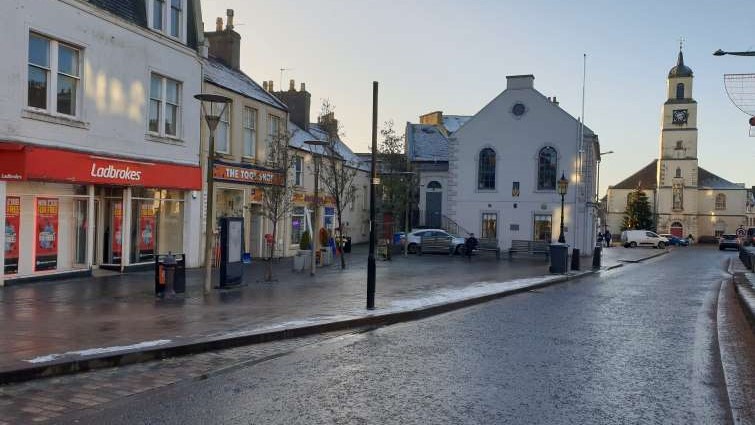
[470, 244]
[600, 238]
[607, 237]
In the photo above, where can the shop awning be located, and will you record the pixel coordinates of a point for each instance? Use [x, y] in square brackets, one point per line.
[20, 162]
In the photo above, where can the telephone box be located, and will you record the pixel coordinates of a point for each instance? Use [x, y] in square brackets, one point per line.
[231, 251]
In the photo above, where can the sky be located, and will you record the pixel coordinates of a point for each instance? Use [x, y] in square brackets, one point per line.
[454, 56]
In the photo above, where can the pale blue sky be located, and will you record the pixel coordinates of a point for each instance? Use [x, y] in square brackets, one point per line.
[454, 56]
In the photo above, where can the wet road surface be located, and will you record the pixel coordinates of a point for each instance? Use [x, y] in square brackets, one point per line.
[634, 345]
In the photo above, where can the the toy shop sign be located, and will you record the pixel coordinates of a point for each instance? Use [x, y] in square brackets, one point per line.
[27, 162]
[247, 174]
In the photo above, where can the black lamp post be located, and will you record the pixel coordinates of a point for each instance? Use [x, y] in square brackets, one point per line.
[373, 181]
[563, 184]
[213, 107]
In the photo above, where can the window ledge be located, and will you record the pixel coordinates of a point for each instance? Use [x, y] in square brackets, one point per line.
[163, 139]
[248, 160]
[54, 118]
[223, 155]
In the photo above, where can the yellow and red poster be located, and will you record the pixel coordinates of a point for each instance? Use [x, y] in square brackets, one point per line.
[46, 250]
[12, 233]
[117, 231]
[146, 231]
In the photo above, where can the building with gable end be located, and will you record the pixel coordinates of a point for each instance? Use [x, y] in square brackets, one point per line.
[686, 199]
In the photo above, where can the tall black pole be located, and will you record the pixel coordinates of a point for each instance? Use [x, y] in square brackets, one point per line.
[373, 177]
[561, 238]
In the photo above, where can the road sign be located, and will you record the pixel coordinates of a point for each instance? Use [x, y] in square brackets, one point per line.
[741, 232]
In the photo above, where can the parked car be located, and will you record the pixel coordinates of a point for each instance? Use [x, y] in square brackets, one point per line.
[675, 240]
[634, 238]
[415, 238]
[728, 241]
[749, 238]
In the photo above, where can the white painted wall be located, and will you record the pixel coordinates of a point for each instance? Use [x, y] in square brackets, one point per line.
[517, 141]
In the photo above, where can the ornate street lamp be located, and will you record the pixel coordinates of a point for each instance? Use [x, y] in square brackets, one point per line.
[213, 107]
[563, 185]
[315, 236]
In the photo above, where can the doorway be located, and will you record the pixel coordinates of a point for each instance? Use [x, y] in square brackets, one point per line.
[433, 204]
[677, 229]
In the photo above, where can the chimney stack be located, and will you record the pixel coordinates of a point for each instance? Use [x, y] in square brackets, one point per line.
[229, 24]
[264, 85]
[555, 102]
[225, 44]
[519, 82]
[298, 103]
[270, 85]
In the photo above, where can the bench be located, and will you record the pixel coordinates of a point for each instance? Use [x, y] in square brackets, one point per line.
[489, 245]
[435, 244]
[529, 247]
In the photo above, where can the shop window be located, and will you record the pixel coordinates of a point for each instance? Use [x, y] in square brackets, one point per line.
[546, 169]
[164, 106]
[486, 170]
[298, 171]
[489, 226]
[297, 224]
[250, 132]
[543, 227]
[53, 75]
[720, 201]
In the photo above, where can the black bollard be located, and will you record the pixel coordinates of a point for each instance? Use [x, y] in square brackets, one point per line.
[575, 259]
[596, 254]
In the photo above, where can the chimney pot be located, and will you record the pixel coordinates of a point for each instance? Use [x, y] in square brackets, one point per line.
[303, 87]
[264, 85]
[219, 24]
[555, 101]
[270, 85]
[292, 85]
[229, 14]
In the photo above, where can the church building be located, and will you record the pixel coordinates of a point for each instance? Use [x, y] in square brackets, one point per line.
[685, 198]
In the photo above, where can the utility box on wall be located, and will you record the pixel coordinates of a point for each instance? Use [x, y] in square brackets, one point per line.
[231, 251]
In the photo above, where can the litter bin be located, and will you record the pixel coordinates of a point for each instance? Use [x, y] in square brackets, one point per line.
[559, 258]
[170, 274]
[397, 238]
[347, 245]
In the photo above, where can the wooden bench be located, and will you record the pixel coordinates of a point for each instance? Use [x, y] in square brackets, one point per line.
[529, 247]
[489, 245]
[435, 244]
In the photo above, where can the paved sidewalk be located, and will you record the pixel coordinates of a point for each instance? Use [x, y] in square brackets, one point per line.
[55, 321]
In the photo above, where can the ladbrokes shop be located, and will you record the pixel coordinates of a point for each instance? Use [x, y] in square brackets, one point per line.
[67, 212]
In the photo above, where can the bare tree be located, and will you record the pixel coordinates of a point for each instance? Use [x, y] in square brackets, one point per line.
[277, 201]
[396, 178]
[337, 173]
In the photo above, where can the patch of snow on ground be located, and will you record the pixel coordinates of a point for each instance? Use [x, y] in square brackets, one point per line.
[95, 351]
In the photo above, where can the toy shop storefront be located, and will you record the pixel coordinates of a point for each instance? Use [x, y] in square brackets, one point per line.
[67, 212]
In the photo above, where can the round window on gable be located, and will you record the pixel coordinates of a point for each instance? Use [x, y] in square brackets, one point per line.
[518, 109]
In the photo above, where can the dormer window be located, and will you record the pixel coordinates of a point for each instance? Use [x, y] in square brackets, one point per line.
[167, 17]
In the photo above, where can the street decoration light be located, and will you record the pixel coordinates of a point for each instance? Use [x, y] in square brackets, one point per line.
[316, 203]
[563, 185]
[213, 108]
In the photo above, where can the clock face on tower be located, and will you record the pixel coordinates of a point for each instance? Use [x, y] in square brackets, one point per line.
[679, 116]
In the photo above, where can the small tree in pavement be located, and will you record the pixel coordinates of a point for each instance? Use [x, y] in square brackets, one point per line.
[337, 174]
[396, 181]
[277, 201]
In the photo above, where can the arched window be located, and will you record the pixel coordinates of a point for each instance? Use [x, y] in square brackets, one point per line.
[678, 173]
[434, 185]
[486, 170]
[680, 91]
[546, 169]
[720, 201]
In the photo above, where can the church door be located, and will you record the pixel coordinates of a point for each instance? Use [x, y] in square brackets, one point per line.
[677, 229]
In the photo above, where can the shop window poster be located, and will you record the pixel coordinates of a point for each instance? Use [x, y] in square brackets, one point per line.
[117, 231]
[146, 231]
[12, 233]
[46, 257]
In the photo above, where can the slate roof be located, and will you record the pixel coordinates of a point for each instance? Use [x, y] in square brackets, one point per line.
[217, 73]
[426, 142]
[340, 147]
[646, 178]
[708, 180]
[135, 12]
[454, 122]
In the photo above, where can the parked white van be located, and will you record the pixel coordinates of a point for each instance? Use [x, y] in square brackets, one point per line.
[633, 238]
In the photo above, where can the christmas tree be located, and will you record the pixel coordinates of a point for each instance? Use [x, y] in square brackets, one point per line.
[638, 215]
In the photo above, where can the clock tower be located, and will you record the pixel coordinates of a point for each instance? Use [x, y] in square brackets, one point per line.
[677, 167]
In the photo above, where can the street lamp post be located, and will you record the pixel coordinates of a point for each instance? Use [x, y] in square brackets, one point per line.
[373, 182]
[315, 236]
[213, 107]
[597, 185]
[563, 184]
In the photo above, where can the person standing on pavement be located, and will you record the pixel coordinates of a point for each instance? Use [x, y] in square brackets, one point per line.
[470, 244]
[600, 238]
[607, 237]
